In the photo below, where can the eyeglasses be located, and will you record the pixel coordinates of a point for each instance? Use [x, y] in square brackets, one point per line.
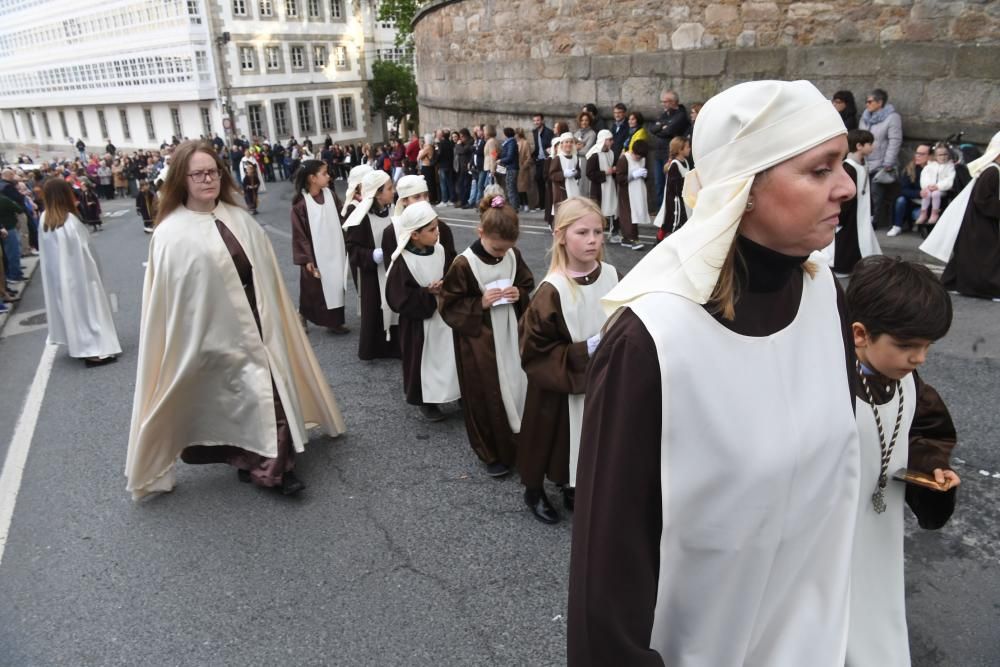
[870, 101]
[204, 176]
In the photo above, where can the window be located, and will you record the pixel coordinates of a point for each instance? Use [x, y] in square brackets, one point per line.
[281, 119]
[326, 115]
[340, 56]
[298, 57]
[305, 117]
[102, 122]
[266, 8]
[150, 130]
[201, 61]
[206, 122]
[28, 122]
[313, 8]
[62, 122]
[126, 132]
[319, 57]
[336, 9]
[45, 123]
[291, 8]
[175, 117]
[192, 8]
[247, 59]
[272, 55]
[256, 117]
[82, 122]
[347, 113]
[239, 7]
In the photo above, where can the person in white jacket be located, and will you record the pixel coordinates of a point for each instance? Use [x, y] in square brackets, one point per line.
[936, 178]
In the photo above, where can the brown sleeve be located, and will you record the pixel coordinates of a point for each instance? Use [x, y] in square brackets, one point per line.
[461, 303]
[614, 568]
[549, 356]
[302, 247]
[621, 171]
[447, 241]
[594, 172]
[360, 245]
[932, 438]
[984, 194]
[405, 296]
[389, 243]
[555, 172]
[524, 281]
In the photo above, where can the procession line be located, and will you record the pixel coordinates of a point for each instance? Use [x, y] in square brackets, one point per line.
[17, 452]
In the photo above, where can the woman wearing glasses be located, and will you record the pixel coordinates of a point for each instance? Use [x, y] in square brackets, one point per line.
[225, 372]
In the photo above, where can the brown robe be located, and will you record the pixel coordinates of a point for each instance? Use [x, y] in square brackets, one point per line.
[414, 304]
[597, 177]
[555, 366]
[461, 307]
[614, 567]
[312, 302]
[372, 343]
[558, 180]
[263, 471]
[526, 172]
[974, 269]
[630, 232]
[446, 239]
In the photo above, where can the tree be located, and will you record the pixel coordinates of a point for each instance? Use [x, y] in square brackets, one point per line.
[402, 13]
[394, 90]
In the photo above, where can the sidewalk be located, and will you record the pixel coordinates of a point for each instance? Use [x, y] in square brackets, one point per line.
[29, 264]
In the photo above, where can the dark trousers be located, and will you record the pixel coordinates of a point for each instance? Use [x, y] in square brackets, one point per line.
[540, 182]
[462, 192]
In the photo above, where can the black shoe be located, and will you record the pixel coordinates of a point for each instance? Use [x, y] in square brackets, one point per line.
[243, 475]
[290, 484]
[339, 330]
[497, 469]
[431, 413]
[91, 363]
[569, 497]
[539, 504]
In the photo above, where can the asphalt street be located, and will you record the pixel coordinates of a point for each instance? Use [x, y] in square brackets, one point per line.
[401, 551]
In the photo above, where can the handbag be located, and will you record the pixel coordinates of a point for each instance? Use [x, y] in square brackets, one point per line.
[884, 177]
[501, 169]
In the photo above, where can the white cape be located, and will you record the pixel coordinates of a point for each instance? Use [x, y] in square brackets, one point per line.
[941, 241]
[76, 305]
[204, 373]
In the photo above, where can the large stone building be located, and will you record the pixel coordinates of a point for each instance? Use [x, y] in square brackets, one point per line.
[138, 72]
[497, 61]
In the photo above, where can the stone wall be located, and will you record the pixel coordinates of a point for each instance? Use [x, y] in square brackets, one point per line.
[502, 60]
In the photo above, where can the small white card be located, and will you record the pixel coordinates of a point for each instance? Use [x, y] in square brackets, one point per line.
[503, 283]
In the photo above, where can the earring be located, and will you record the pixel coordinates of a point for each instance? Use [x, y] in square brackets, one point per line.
[749, 204]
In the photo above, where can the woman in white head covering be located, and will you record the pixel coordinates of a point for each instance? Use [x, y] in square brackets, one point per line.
[366, 223]
[968, 234]
[416, 273]
[718, 479]
[410, 190]
[601, 174]
[565, 170]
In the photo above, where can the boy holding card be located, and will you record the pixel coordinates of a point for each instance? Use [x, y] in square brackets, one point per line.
[897, 309]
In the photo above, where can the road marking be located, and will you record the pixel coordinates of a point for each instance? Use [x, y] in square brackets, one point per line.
[24, 323]
[17, 453]
[116, 214]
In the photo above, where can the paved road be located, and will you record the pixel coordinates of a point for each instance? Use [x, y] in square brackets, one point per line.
[401, 551]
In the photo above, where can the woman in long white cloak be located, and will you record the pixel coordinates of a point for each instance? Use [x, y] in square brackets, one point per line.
[76, 306]
[225, 372]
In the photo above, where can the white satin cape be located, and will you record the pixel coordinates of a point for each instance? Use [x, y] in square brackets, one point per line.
[76, 305]
[204, 374]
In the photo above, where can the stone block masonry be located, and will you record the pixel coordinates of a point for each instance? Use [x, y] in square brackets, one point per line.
[499, 61]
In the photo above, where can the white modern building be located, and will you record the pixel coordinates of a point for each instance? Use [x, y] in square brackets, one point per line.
[139, 72]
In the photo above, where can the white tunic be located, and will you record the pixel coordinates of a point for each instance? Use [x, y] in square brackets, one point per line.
[438, 369]
[570, 164]
[76, 305]
[637, 191]
[329, 248]
[513, 381]
[878, 636]
[609, 188]
[379, 224]
[759, 479]
[584, 317]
